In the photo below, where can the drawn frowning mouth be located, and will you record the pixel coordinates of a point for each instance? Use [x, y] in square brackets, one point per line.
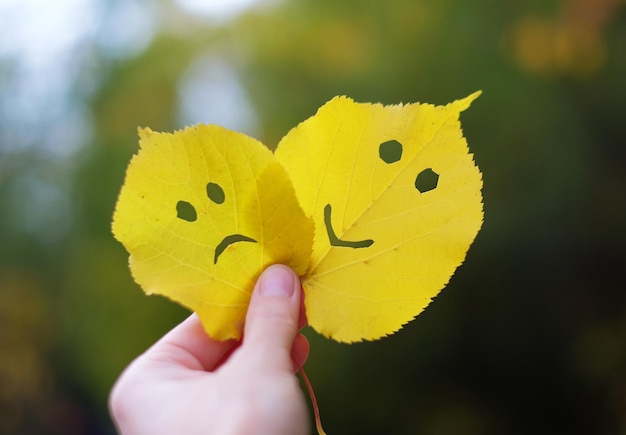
[336, 241]
[229, 240]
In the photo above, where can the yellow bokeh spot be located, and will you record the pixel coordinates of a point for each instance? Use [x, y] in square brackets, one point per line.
[569, 43]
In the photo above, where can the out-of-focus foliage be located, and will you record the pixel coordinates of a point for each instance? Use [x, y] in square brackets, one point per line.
[530, 334]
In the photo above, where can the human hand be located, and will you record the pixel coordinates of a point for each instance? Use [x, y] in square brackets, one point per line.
[188, 383]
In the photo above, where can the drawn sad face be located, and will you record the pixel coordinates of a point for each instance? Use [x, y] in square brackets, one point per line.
[187, 212]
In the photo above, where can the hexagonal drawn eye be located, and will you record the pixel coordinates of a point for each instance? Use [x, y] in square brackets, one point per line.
[390, 151]
[426, 180]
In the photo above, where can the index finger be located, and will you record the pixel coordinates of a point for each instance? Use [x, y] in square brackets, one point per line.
[188, 345]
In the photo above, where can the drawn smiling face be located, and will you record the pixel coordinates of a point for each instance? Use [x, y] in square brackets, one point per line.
[389, 152]
[187, 212]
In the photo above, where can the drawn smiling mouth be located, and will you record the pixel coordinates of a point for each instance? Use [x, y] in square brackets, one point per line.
[229, 240]
[336, 241]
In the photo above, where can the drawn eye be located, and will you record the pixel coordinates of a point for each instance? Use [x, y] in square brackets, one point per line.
[215, 193]
[390, 151]
[186, 211]
[426, 180]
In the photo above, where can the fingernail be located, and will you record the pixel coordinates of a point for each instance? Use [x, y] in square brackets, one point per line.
[277, 281]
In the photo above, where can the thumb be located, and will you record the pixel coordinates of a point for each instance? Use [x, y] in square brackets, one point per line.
[272, 319]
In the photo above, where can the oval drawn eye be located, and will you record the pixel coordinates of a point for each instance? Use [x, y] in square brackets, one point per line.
[186, 211]
[215, 193]
[390, 151]
[426, 180]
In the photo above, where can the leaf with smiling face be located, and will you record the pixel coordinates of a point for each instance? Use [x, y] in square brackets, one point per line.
[396, 200]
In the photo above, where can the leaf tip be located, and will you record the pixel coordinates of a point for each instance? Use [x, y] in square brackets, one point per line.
[464, 103]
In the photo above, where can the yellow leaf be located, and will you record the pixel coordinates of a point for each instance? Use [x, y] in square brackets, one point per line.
[202, 212]
[396, 201]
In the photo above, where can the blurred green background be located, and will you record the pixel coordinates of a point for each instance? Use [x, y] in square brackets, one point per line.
[530, 335]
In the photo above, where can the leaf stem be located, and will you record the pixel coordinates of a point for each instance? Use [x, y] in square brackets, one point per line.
[316, 410]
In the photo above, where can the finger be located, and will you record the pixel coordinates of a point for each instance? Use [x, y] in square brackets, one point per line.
[189, 346]
[272, 319]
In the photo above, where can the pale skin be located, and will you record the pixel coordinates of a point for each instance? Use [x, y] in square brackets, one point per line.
[187, 383]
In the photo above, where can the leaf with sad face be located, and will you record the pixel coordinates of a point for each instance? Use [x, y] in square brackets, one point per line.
[202, 212]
